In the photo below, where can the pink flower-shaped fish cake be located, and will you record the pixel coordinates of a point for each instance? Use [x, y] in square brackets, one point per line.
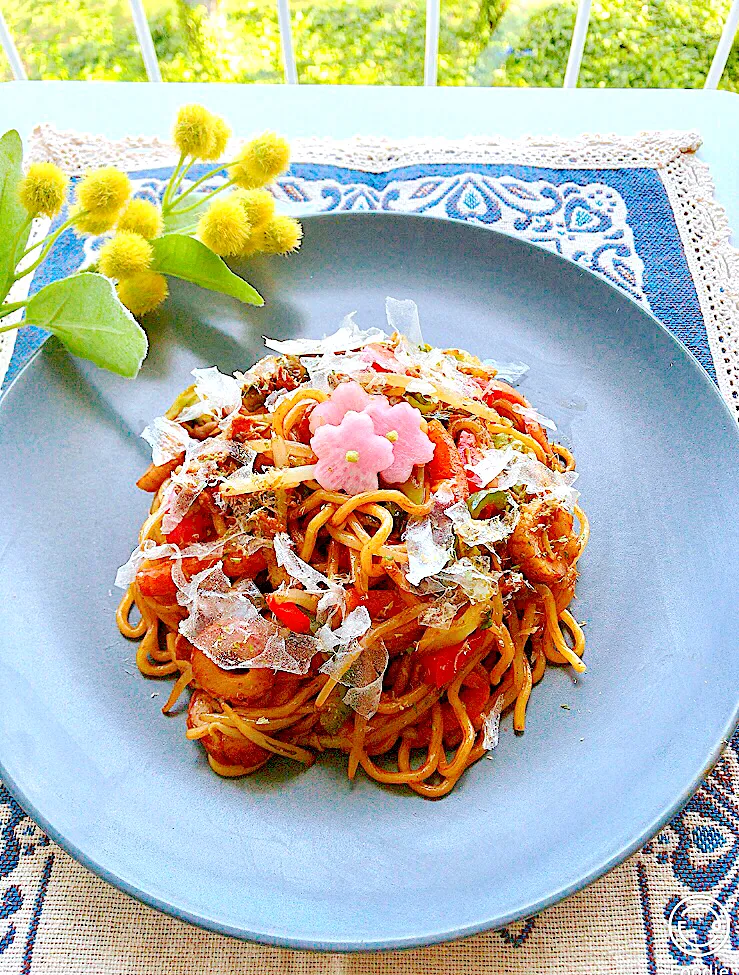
[401, 425]
[350, 455]
[346, 396]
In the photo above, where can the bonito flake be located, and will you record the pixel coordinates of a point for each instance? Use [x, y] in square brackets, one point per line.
[493, 462]
[149, 551]
[491, 725]
[218, 395]
[332, 594]
[426, 556]
[486, 532]
[225, 624]
[511, 467]
[510, 372]
[363, 678]
[347, 337]
[289, 652]
[274, 398]
[201, 469]
[440, 614]
[142, 553]
[473, 577]
[167, 440]
[440, 373]
[184, 490]
[531, 414]
[245, 457]
[247, 544]
[537, 478]
[355, 625]
[402, 317]
[321, 367]
[209, 580]
[429, 541]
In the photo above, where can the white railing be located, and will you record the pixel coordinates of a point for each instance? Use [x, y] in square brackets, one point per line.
[11, 52]
[431, 52]
[577, 44]
[286, 40]
[431, 55]
[148, 52]
[724, 47]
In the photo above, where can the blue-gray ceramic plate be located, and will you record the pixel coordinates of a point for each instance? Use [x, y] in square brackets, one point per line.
[302, 857]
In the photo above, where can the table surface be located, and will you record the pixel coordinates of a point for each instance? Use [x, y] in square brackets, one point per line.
[115, 109]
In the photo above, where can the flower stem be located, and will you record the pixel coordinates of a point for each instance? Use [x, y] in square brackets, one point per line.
[171, 207]
[21, 230]
[8, 309]
[178, 182]
[39, 243]
[47, 245]
[171, 184]
[203, 199]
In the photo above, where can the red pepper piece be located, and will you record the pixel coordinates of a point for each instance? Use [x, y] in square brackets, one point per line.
[441, 666]
[290, 615]
[446, 464]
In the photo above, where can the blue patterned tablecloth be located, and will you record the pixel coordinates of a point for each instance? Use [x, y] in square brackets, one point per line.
[616, 222]
[620, 223]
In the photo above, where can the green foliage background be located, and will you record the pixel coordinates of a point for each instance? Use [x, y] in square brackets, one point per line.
[668, 43]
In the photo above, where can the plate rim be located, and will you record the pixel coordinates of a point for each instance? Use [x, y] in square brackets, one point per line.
[662, 818]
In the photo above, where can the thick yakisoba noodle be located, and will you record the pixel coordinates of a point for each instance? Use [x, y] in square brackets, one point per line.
[275, 569]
